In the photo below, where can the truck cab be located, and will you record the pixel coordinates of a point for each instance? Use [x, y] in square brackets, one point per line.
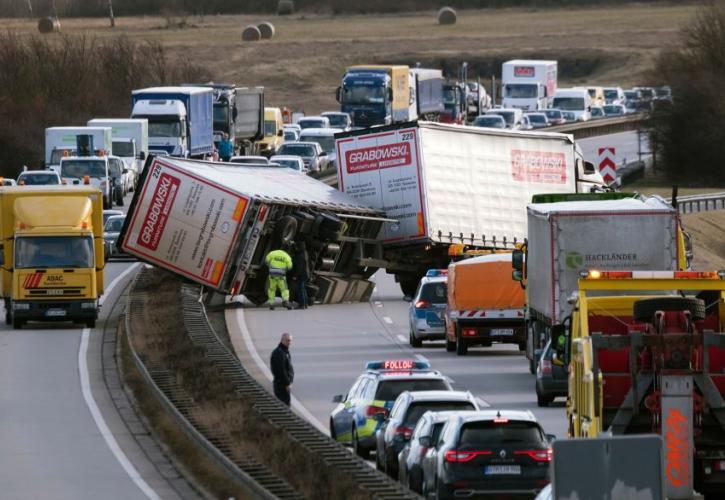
[167, 124]
[528, 84]
[273, 133]
[455, 106]
[375, 95]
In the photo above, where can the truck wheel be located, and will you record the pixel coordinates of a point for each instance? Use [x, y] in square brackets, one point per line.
[450, 346]
[285, 229]
[461, 346]
[18, 324]
[645, 309]
[119, 197]
[8, 317]
[91, 323]
[522, 346]
[107, 203]
[414, 342]
[408, 284]
[543, 400]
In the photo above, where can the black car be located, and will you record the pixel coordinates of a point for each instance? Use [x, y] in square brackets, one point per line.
[397, 430]
[488, 453]
[552, 379]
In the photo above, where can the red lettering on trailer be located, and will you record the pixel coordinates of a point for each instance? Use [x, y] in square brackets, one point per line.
[524, 71]
[538, 166]
[377, 157]
[155, 220]
[677, 458]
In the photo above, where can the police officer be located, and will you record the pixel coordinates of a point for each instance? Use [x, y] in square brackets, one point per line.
[281, 364]
[279, 263]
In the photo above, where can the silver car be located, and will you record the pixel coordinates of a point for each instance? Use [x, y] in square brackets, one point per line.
[311, 153]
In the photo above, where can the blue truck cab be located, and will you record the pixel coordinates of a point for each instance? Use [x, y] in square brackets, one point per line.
[180, 119]
[375, 95]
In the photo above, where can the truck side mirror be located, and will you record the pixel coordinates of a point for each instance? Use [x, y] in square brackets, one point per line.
[589, 168]
[280, 133]
[338, 398]
[517, 275]
[559, 341]
[390, 93]
[517, 260]
[425, 441]
[141, 155]
[338, 94]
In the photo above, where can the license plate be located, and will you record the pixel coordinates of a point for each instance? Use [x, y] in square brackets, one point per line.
[55, 312]
[506, 332]
[491, 470]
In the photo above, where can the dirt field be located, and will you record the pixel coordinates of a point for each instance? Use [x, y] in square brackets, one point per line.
[708, 232]
[302, 65]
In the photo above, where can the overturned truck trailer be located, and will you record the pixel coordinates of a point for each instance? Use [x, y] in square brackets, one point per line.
[214, 223]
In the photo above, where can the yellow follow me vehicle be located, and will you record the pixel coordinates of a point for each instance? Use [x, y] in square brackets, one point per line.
[52, 253]
[646, 354]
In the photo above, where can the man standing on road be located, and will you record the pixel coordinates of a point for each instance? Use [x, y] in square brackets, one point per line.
[279, 263]
[226, 148]
[284, 374]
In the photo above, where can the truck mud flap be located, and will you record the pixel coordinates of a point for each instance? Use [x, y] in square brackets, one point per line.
[339, 290]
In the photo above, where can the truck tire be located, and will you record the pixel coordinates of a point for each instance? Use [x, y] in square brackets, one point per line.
[119, 197]
[8, 317]
[285, 230]
[408, 284]
[91, 323]
[645, 309]
[461, 345]
[18, 324]
[450, 345]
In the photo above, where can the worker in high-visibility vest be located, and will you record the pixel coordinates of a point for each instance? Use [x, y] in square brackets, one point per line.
[279, 263]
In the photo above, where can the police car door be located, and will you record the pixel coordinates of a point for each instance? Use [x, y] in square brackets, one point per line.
[343, 418]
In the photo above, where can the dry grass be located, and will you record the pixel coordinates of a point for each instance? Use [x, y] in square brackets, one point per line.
[708, 233]
[302, 65]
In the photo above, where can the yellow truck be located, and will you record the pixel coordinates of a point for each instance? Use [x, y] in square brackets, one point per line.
[52, 253]
[273, 133]
[646, 354]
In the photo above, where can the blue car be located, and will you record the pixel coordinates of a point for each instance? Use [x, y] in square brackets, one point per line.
[428, 308]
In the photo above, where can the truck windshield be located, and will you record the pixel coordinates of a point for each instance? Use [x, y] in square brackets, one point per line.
[123, 149]
[338, 121]
[611, 94]
[363, 94]
[80, 168]
[520, 91]
[41, 252]
[164, 129]
[270, 127]
[221, 117]
[569, 103]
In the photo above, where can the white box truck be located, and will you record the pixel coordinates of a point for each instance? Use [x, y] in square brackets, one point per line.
[447, 185]
[60, 141]
[528, 84]
[130, 138]
[214, 223]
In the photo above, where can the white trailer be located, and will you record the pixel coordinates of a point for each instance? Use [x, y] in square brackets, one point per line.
[450, 184]
[130, 138]
[62, 140]
[528, 84]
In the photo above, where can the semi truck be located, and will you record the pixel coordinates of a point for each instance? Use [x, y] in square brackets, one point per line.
[62, 141]
[239, 112]
[455, 104]
[213, 224]
[426, 94]
[528, 84]
[180, 119]
[646, 355]
[604, 231]
[130, 142]
[449, 189]
[52, 253]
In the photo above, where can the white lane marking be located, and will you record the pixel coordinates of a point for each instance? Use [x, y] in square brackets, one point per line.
[422, 358]
[296, 404]
[93, 407]
[388, 320]
[402, 339]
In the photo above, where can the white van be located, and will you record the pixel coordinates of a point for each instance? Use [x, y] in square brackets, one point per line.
[576, 100]
[325, 137]
[512, 116]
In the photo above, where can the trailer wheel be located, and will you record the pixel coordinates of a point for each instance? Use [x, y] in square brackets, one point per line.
[18, 324]
[461, 345]
[91, 323]
[646, 308]
[408, 284]
[286, 229]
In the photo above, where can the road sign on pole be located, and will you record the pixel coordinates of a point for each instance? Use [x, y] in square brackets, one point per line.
[607, 165]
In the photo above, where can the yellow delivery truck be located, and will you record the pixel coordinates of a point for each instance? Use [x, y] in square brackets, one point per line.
[52, 253]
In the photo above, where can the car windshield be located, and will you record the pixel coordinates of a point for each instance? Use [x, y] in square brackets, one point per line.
[416, 410]
[297, 149]
[312, 124]
[520, 90]
[611, 94]
[569, 103]
[250, 161]
[270, 127]
[123, 149]
[647, 93]
[114, 225]
[290, 135]
[338, 121]
[293, 164]
[631, 96]
[612, 110]
[327, 143]
[490, 433]
[363, 94]
[40, 252]
[597, 111]
[81, 168]
[489, 121]
[164, 129]
[38, 179]
[568, 115]
[553, 114]
[508, 116]
[537, 119]
[389, 390]
[663, 92]
[435, 293]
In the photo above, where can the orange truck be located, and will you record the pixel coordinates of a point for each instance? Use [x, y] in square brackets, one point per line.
[484, 304]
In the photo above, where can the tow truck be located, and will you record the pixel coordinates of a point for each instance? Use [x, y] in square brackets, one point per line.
[646, 354]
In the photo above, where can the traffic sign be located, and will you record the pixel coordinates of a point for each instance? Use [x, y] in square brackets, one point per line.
[607, 165]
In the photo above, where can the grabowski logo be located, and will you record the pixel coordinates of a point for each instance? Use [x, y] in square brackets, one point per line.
[377, 157]
[538, 166]
[158, 214]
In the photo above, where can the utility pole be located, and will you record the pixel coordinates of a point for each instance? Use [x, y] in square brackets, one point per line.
[30, 8]
[110, 14]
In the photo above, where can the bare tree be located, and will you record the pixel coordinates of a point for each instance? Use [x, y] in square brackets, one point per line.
[110, 14]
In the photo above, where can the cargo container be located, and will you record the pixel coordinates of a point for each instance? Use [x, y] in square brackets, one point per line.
[60, 141]
[452, 188]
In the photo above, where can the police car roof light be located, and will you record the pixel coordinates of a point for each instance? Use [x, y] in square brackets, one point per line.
[397, 365]
[435, 273]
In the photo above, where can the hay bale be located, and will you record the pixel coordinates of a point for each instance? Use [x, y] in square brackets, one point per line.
[446, 15]
[251, 34]
[48, 25]
[285, 7]
[266, 29]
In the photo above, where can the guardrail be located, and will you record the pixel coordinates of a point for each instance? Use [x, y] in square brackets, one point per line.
[602, 126]
[700, 202]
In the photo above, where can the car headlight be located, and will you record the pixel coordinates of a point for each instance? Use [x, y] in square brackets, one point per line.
[21, 306]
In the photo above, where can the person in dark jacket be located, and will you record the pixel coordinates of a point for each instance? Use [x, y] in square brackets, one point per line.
[302, 274]
[284, 374]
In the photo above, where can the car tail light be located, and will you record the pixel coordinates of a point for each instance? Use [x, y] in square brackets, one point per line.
[422, 304]
[403, 432]
[537, 455]
[457, 456]
[469, 332]
[374, 410]
[545, 367]
[719, 465]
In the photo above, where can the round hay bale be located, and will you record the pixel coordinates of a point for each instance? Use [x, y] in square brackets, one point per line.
[285, 7]
[251, 34]
[266, 29]
[48, 25]
[446, 15]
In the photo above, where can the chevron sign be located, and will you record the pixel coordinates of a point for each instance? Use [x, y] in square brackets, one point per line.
[607, 166]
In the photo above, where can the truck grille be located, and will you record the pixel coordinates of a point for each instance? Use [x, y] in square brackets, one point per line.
[56, 292]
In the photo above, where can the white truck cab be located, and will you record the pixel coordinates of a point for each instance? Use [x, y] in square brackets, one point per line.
[575, 100]
[528, 84]
[167, 124]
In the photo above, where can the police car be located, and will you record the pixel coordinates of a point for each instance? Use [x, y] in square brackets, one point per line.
[428, 307]
[361, 412]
